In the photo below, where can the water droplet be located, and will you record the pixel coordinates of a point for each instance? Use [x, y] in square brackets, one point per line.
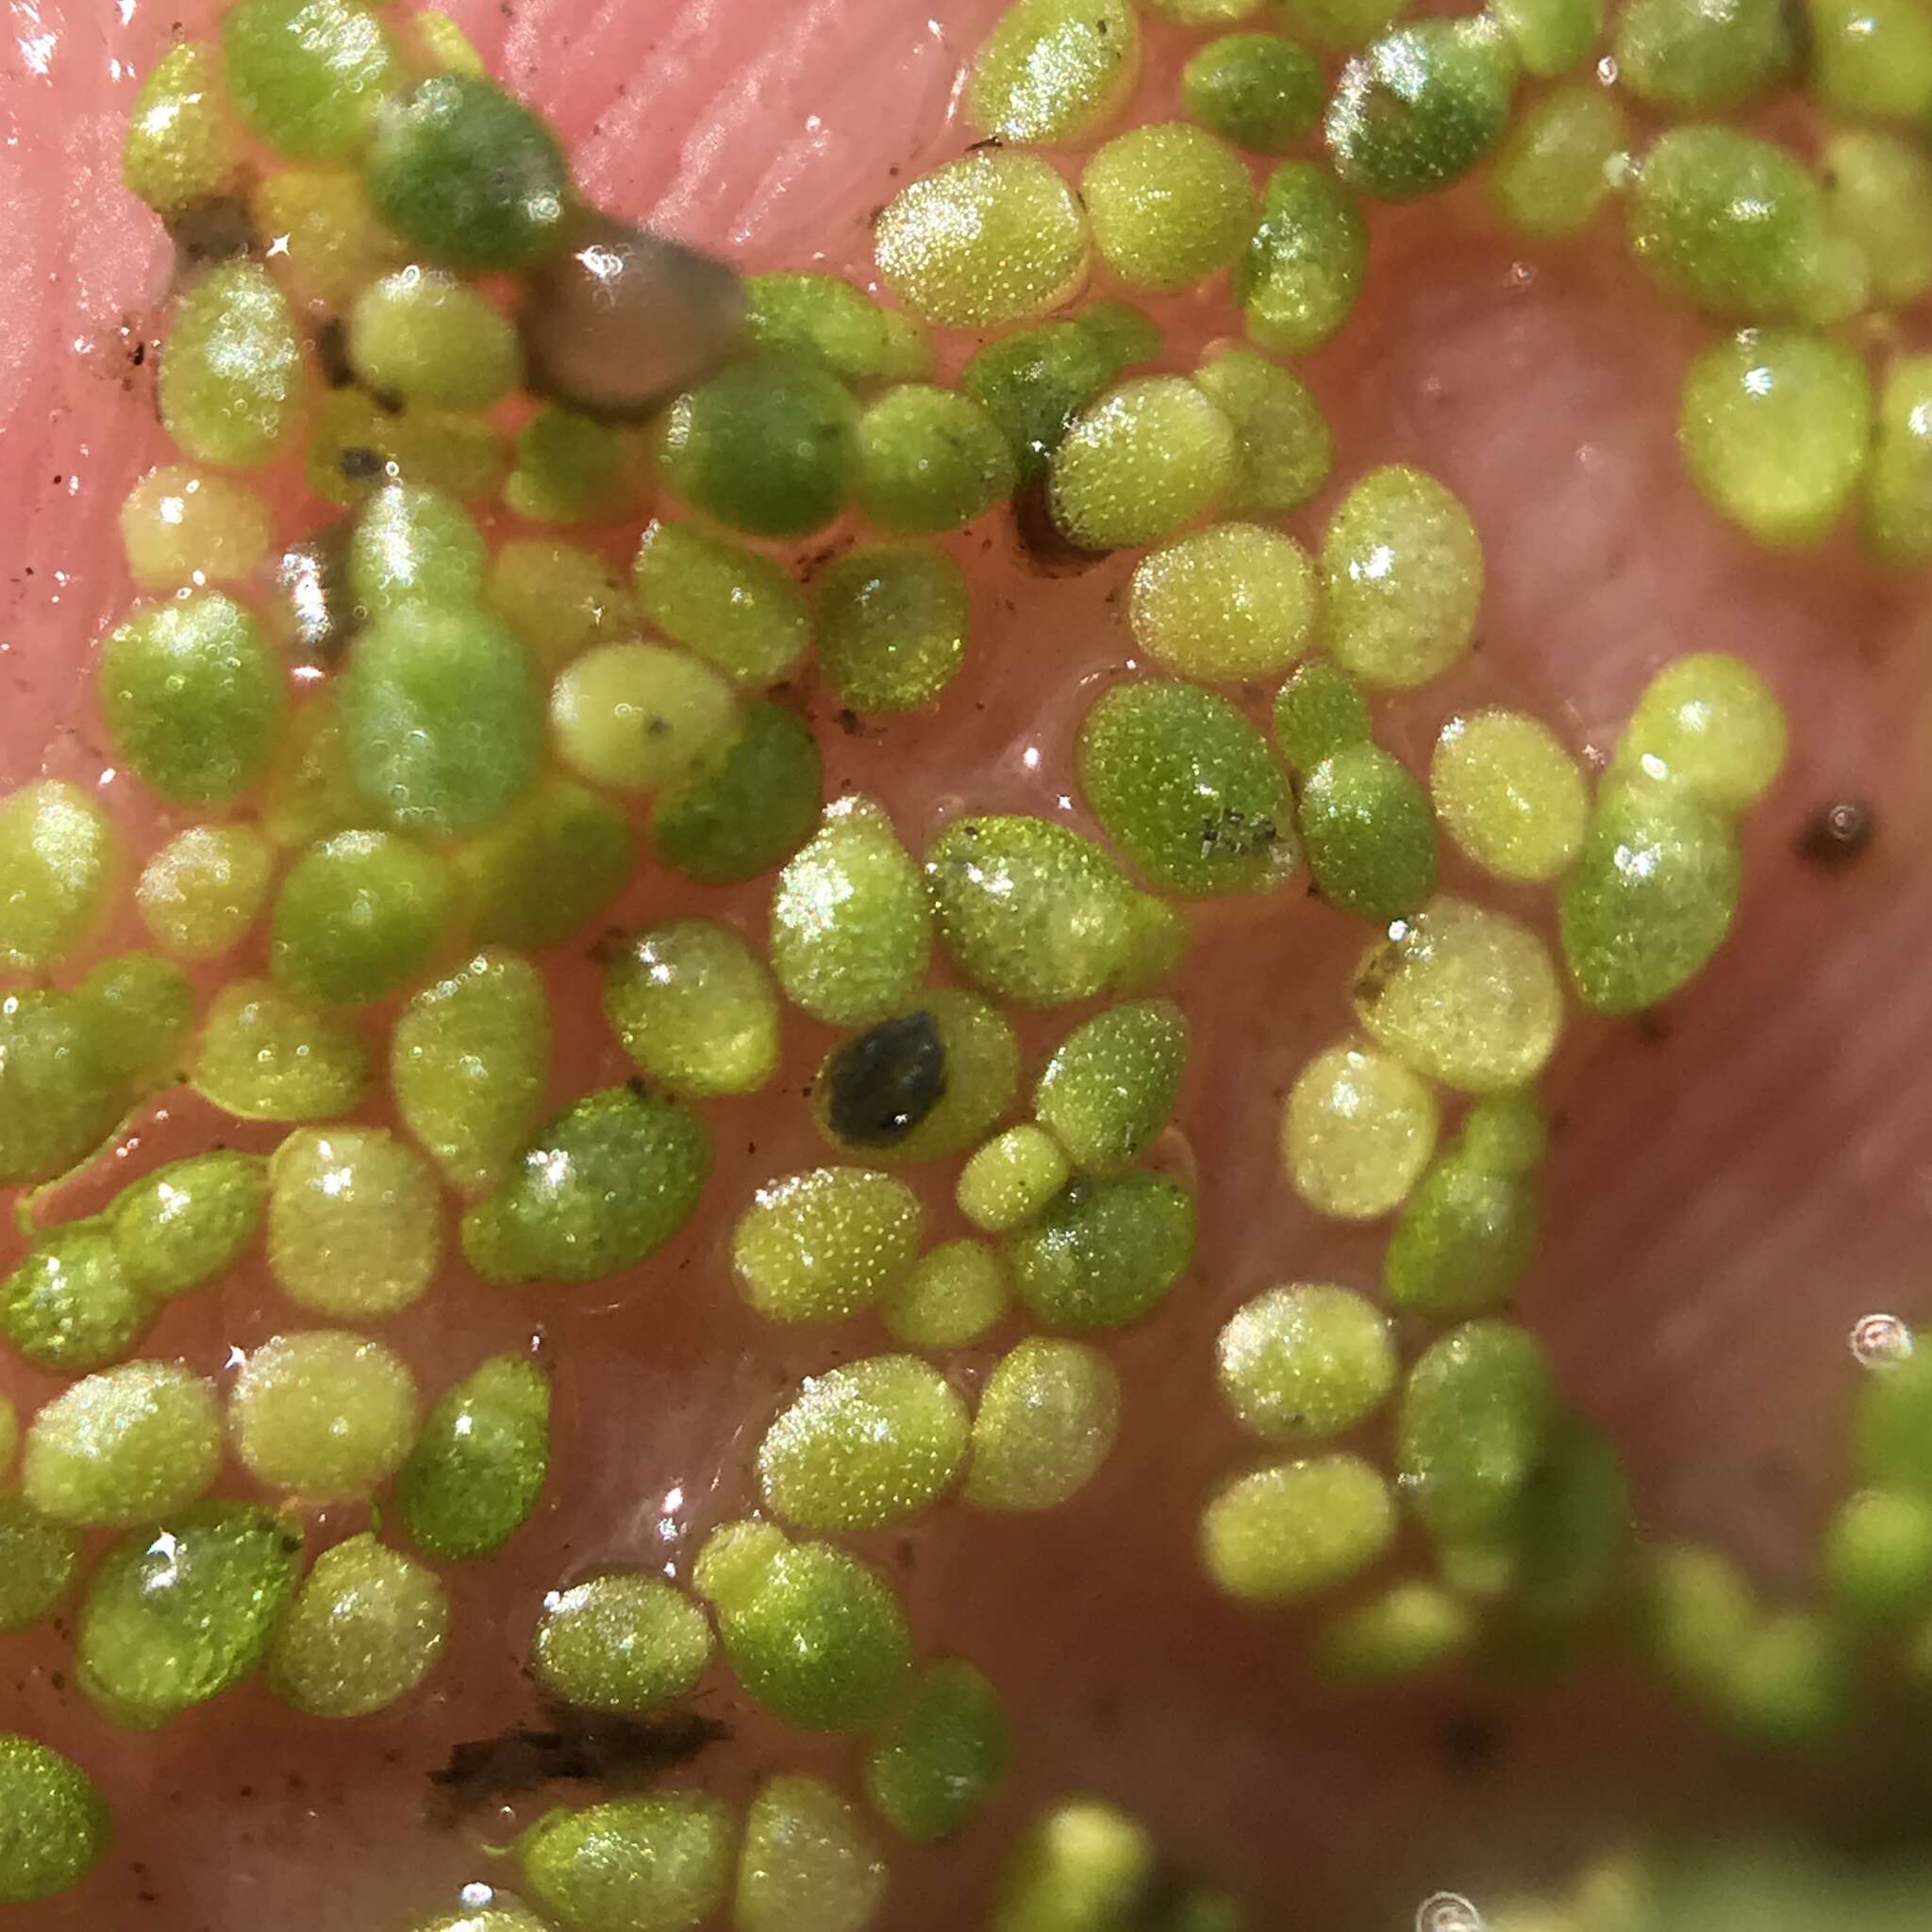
[1606, 70]
[1879, 1340]
[475, 1894]
[1447, 1912]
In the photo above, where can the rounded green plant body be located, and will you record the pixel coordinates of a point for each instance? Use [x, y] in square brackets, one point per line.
[1294, 1529]
[734, 607]
[620, 1642]
[926, 1083]
[69, 1306]
[638, 717]
[1229, 603]
[870, 1444]
[1420, 108]
[949, 1297]
[442, 719]
[1104, 1252]
[229, 390]
[355, 1222]
[941, 1755]
[308, 76]
[768, 446]
[1011, 1179]
[194, 698]
[123, 1445]
[1262, 91]
[808, 1863]
[1034, 383]
[140, 1008]
[1187, 788]
[1552, 171]
[1029, 910]
[1733, 223]
[1319, 713]
[929, 459]
[825, 320]
[1475, 1417]
[573, 469]
[270, 1053]
[1048, 1417]
[1700, 57]
[1141, 461]
[1464, 996]
[469, 1059]
[430, 338]
[1370, 834]
[1775, 428]
[1709, 724]
[54, 1824]
[1403, 568]
[548, 868]
[1082, 1867]
[993, 238]
[1111, 1084]
[1466, 1234]
[38, 1561]
[201, 892]
[189, 1222]
[821, 1246]
[598, 1189]
[893, 627]
[412, 545]
[1306, 1361]
[1053, 71]
[558, 598]
[176, 1615]
[1869, 60]
[1650, 899]
[1508, 793]
[815, 1635]
[469, 175]
[358, 916]
[694, 1007]
[1304, 267]
[1397, 1635]
[365, 1629]
[180, 148]
[325, 1415]
[1549, 36]
[183, 526]
[1876, 1563]
[850, 926]
[750, 808]
[60, 1093]
[1878, 195]
[1169, 204]
[1285, 449]
[1898, 503]
[1356, 1132]
[479, 1464]
[1891, 1434]
[58, 859]
[649, 1864]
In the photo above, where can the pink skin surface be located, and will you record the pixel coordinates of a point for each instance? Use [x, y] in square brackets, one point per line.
[1731, 1188]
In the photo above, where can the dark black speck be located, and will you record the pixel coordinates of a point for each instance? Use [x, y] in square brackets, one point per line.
[1837, 835]
[361, 465]
[883, 1082]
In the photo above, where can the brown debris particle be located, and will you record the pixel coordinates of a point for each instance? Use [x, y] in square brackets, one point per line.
[1837, 835]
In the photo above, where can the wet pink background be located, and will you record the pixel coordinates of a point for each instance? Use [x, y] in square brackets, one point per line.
[1730, 1188]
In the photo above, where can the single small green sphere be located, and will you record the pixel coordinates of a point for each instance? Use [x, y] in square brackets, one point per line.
[470, 176]
[1170, 205]
[621, 1642]
[54, 1824]
[1301, 1362]
[1296, 1528]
